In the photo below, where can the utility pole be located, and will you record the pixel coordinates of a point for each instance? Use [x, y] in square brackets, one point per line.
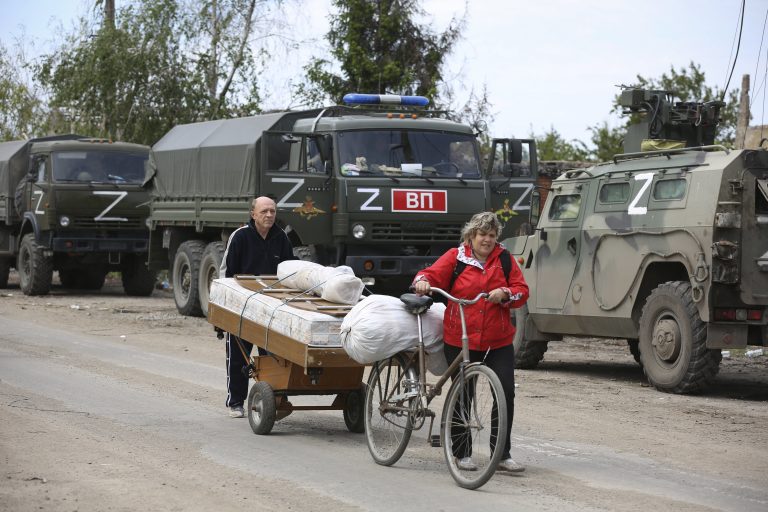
[109, 13]
[742, 123]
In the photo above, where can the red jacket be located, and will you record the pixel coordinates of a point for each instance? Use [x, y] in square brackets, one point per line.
[488, 325]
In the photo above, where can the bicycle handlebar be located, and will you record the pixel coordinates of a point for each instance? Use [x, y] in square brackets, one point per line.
[463, 302]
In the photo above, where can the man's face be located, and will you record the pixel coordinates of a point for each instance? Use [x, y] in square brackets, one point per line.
[264, 213]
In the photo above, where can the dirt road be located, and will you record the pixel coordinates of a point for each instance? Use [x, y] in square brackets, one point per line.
[116, 403]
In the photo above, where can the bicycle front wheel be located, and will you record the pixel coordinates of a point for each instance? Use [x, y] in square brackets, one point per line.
[387, 416]
[474, 426]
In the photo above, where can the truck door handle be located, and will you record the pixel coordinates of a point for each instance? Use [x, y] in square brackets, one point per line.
[572, 246]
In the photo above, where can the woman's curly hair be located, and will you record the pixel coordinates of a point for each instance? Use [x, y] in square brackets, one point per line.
[483, 221]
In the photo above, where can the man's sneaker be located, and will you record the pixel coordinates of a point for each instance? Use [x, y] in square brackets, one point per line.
[466, 464]
[510, 466]
[236, 411]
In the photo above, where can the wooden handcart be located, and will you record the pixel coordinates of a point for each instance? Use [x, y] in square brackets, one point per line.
[292, 367]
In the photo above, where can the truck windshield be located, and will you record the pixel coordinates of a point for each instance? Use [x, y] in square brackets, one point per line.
[99, 166]
[408, 153]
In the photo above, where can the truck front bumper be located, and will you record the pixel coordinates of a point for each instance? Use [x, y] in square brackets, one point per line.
[85, 245]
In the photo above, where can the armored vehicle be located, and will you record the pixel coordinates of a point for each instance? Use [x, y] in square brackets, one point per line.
[384, 189]
[75, 205]
[667, 248]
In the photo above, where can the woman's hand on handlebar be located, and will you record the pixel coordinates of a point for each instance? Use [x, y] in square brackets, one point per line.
[498, 296]
[422, 287]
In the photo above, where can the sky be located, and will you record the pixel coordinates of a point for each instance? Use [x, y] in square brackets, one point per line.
[545, 63]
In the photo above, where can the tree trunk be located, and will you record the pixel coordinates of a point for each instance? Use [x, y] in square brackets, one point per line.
[742, 123]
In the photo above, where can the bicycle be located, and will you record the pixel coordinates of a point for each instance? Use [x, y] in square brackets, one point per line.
[398, 397]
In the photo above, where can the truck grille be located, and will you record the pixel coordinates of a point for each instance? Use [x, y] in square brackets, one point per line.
[90, 223]
[416, 231]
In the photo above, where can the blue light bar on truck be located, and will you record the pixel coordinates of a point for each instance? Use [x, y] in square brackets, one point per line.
[385, 99]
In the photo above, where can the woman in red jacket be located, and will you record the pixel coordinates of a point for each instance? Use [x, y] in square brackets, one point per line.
[489, 324]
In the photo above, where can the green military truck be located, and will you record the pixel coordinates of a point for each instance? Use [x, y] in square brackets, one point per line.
[667, 248]
[75, 205]
[384, 189]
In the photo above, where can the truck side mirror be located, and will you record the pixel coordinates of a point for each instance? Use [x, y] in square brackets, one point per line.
[324, 145]
[515, 154]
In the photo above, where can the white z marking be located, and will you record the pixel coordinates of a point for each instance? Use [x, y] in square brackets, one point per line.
[633, 208]
[282, 202]
[528, 188]
[374, 194]
[39, 193]
[120, 196]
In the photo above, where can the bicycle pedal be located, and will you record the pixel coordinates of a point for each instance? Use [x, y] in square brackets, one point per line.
[434, 440]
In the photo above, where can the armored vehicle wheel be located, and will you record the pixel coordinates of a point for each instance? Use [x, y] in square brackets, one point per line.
[673, 337]
[138, 280]
[35, 268]
[185, 275]
[209, 270]
[527, 353]
[5, 270]
[261, 408]
[354, 410]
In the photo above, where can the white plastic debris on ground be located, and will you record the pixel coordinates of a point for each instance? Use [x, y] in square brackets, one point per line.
[379, 327]
[334, 284]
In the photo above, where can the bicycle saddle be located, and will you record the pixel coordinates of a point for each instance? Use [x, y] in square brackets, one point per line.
[416, 304]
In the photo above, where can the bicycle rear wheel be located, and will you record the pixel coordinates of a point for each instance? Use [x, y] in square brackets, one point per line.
[387, 409]
[474, 424]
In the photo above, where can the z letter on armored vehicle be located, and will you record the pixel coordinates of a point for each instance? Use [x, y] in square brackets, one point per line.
[666, 248]
[381, 185]
[77, 206]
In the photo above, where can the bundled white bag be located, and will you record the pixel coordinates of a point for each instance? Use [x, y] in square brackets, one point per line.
[334, 284]
[379, 327]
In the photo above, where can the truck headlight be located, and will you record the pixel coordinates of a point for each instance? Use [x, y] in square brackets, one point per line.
[64, 221]
[358, 231]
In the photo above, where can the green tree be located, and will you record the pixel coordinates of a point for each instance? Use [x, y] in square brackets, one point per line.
[21, 110]
[607, 141]
[552, 146]
[379, 47]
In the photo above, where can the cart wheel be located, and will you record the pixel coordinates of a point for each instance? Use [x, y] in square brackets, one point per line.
[261, 408]
[354, 410]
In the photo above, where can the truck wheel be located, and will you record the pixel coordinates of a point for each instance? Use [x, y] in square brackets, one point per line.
[35, 268]
[673, 337]
[527, 353]
[5, 270]
[138, 280]
[209, 270]
[92, 279]
[186, 272]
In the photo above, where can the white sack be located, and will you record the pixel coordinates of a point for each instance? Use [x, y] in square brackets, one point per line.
[334, 284]
[379, 327]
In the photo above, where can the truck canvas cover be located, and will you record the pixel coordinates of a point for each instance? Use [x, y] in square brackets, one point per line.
[214, 159]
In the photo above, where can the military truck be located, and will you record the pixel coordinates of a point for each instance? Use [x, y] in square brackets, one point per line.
[667, 248]
[380, 184]
[74, 205]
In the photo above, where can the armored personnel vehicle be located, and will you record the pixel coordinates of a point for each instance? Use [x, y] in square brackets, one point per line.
[667, 248]
[380, 184]
[75, 205]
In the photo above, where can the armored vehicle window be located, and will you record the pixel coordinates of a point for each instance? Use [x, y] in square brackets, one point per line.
[666, 190]
[99, 166]
[408, 153]
[761, 197]
[614, 193]
[565, 207]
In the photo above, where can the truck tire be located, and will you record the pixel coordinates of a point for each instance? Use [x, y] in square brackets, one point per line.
[138, 280]
[35, 268]
[210, 264]
[528, 353]
[186, 272]
[92, 278]
[5, 270]
[673, 338]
